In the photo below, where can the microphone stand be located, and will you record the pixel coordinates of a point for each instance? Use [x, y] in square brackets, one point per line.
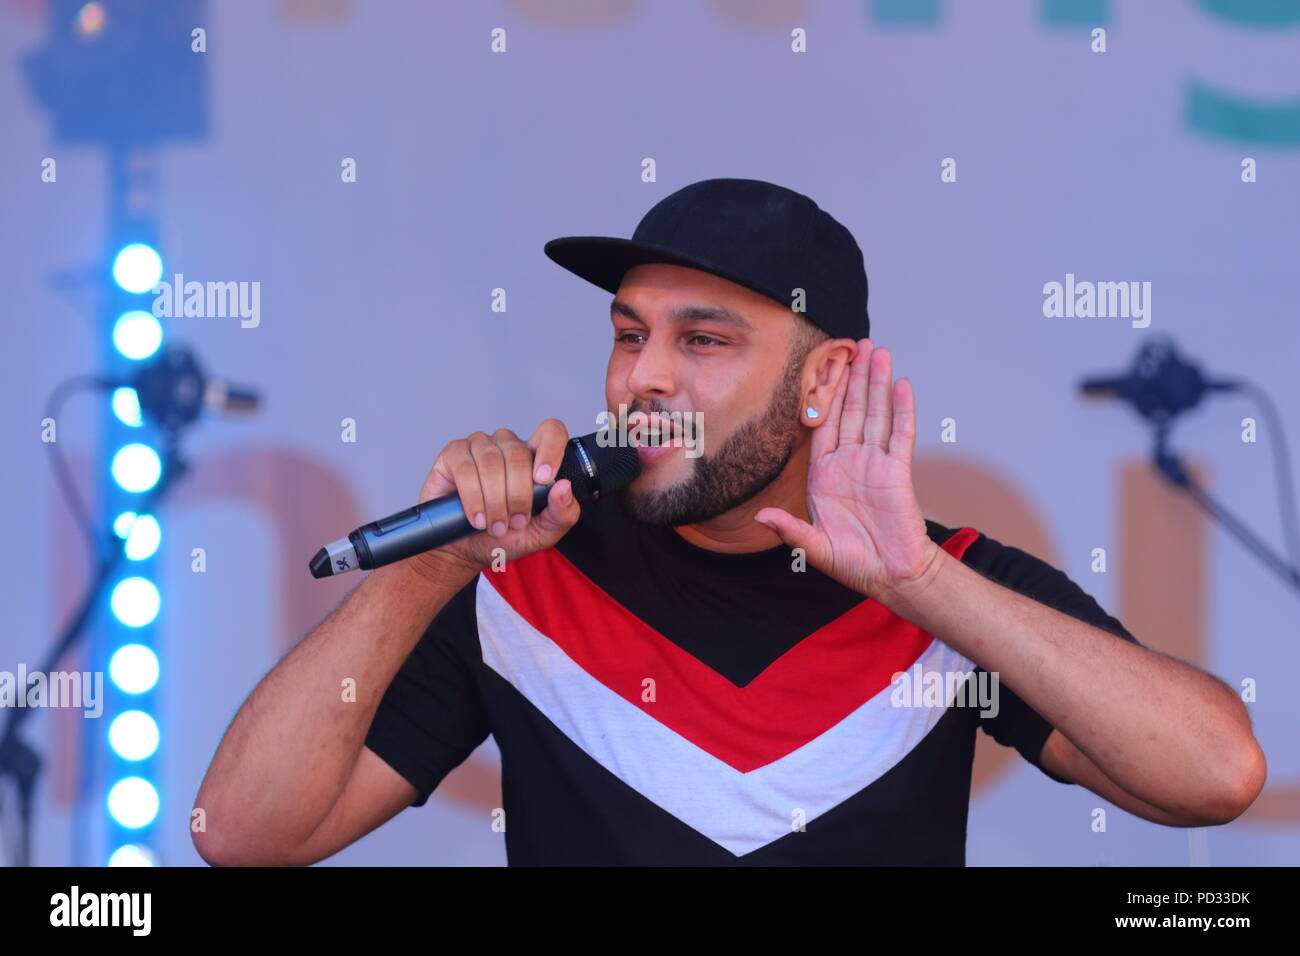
[1170, 464]
[18, 761]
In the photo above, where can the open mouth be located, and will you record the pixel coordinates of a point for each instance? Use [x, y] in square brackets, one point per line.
[652, 431]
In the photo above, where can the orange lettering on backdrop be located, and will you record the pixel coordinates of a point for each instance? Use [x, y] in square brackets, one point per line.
[1164, 590]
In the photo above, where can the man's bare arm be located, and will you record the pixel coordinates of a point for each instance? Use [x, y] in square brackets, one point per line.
[293, 747]
[1170, 735]
[1068, 762]
[291, 781]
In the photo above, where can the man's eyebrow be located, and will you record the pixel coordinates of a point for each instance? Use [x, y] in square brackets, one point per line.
[688, 313]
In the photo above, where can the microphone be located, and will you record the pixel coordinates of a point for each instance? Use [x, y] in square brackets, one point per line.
[173, 390]
[594, 469]
[1160, 385]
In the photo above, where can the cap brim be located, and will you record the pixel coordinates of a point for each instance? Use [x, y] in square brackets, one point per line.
[602, 260]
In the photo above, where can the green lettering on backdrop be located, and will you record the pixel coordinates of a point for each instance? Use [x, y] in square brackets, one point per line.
[1207, 110]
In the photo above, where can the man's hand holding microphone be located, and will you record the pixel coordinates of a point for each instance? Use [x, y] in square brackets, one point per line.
[493, 476]
[489, 492]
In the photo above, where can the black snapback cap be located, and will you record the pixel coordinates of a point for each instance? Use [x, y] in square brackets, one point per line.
[764, 237]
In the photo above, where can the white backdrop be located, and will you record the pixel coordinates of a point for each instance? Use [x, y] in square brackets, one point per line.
[376, 297]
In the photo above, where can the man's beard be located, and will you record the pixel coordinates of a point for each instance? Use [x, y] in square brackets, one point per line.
[749, 460]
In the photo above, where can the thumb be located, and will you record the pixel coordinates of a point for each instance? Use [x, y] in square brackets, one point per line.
[795, 532]
[561, 511]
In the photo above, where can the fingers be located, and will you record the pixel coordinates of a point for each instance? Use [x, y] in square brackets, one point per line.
[880, 406]
[455, 467]
[519, 477]
[548, 444]
[867, 415]
[795, 532]
[561, 511]
[490, 463]
[826, 438]
[855, 399]
[902, 440]
[494, 475]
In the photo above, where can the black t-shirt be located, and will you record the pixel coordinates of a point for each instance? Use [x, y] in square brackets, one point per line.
[658, 703]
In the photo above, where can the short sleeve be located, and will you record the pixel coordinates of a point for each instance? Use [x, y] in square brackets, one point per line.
[1016, 724]
[432, 716]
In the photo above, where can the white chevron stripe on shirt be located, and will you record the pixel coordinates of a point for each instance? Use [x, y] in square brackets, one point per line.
[739, 811]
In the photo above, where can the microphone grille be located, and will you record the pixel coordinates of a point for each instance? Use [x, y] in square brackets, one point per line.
[595, 469]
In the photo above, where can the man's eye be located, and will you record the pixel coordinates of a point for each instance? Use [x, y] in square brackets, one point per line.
[635, 338]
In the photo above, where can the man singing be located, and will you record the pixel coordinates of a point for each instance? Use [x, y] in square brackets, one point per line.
[705, 669]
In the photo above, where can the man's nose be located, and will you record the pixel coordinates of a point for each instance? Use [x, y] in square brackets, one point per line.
[653, 373]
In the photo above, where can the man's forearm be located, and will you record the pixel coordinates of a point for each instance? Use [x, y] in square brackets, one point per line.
[1164, 731]
[288, 753]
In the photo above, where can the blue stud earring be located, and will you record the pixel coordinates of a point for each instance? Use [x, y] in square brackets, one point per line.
[812, 412]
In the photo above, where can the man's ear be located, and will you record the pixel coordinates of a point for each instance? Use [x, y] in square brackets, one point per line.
[821, 374]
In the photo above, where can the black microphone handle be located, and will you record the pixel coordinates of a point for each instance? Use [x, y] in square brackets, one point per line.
[440, 520]
[592, 465]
